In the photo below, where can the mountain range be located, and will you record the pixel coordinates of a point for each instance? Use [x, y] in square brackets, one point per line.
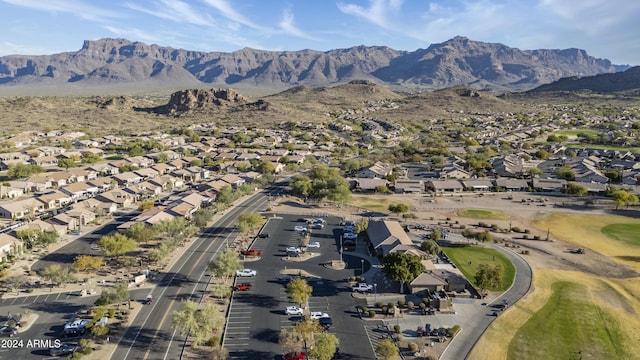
[111, 65]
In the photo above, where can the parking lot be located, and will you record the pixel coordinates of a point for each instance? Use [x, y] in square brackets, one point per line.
[257, 315]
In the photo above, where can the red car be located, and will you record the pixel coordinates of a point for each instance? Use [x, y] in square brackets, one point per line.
[295, 356]
[251, 252]
[242, 287]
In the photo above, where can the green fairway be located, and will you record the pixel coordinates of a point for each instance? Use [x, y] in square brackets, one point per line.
[569, 326]
[575, 132]
[627, 233]
[483, 214]
[462, 256]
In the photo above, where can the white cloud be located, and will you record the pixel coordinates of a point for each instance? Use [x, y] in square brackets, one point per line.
[74, 7]
[230, 13]
[174, 10]
[376, 13]
[287, 24]
[9, 48]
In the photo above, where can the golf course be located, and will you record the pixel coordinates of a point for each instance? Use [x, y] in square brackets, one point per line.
[574, 314]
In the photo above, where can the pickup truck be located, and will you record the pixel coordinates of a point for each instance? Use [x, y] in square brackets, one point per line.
[362, 287]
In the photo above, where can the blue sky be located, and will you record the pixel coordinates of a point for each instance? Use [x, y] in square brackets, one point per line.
[604, 28]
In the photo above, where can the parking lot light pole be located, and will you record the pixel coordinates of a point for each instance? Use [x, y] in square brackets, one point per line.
[375, 291]
[362, 267]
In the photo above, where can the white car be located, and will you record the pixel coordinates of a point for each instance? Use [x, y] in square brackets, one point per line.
[315, 244]
[315, 315]
[293, 310]
[350, 236]
[299, 228]
[245, 272]
[292, 249]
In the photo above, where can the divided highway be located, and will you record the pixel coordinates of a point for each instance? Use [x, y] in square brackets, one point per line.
[150, 335]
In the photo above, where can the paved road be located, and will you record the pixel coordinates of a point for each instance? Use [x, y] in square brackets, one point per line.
[151, 335]
[66, 254]
[480, 319]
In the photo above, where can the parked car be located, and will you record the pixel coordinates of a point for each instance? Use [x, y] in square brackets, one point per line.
[299, 228]
[348, 229]
[319, 221]
[246, 273]
[251, 252]
[63, 349]
[242, 287]
[349, 243]
[148, 300]
[285, 279]
[315, 244]
[325, 322]
[263, 235]
[349, 236]
[295, 356]
[316, 315]
[317, 226]
[293, 310]
[293, 251]
[8, 331]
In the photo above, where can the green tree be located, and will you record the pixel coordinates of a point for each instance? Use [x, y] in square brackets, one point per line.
[623, 197]
[302, 185]
[266, 167]
[67, 163]
[141, 232]
[84, 262]
[541, 154]
[202, 217]
[299, 291]
[119, 293]
[198, 324]
[116, 244]
[402, 267]
[56, 274]
[361, 225]
[565, 173]
[225, 195]
[577, 189]
[430, 247]
[90, 158]
[99, 330]
[162, 157]
[225, 264]
[324, 347]
[398, 208]
[28, 236]
[489, 276]
[252, 220]
[171, 228]
[386, 350]
[146, 205]
[17, 171]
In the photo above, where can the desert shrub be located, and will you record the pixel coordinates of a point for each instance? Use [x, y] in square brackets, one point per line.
[372, 313]
[401, 303]
[213, 341]
[536, 237]
[527, 231]
[365, 310]
[410, 305]
[409, 216]
[379, 304]
[396, 329]
[390, 305]
[413, 347]
[385, 310]
[494, 227]
[516, 229]
[454, 330]
[525, 236]
[482, 224]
